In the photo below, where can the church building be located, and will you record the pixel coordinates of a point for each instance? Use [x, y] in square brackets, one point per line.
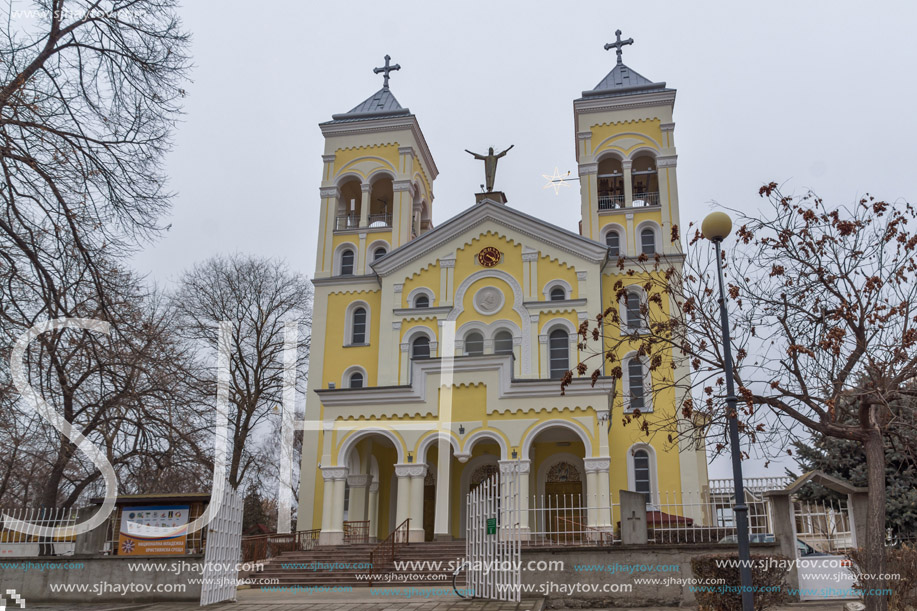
[438, 346]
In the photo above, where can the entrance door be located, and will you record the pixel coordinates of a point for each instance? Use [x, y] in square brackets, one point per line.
[563, 491]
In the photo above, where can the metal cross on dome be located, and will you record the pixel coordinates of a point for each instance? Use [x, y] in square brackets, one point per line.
[386, 69]
[618, 44]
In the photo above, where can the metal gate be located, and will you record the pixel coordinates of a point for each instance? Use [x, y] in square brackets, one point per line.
[493, 542]
[224, 551]
[824, 532]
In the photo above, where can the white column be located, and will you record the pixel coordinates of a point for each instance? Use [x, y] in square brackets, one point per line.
[402, 506]
[358, 484]
[590, 499]
[417, 477]
[443, 466]
[628, 184]
[364, 204]
[333, 506]
[374, 511]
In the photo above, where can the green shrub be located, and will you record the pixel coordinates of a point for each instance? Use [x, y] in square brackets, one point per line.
[768, 578]
[901, 561]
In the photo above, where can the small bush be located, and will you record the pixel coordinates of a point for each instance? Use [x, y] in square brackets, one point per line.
[903, 561]
[768, 578]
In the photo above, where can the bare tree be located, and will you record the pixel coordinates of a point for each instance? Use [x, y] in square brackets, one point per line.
[88, 96]
[256, 297]
[824, 315]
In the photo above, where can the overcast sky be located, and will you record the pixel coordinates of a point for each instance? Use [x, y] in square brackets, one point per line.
[814, 94]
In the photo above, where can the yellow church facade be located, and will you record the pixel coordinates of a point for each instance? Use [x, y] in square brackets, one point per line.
[437, 351]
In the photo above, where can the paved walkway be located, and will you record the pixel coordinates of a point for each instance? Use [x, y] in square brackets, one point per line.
[359, 600]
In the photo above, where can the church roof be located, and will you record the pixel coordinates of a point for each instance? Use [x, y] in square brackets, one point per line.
[380, 104]
[622, 80]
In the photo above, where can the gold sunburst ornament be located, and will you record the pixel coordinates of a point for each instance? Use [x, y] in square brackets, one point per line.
[556, 181]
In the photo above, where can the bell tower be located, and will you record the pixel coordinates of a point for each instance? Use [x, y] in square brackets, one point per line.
[626, 157]
[377, 183]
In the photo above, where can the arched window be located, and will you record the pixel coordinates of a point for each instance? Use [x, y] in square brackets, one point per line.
[422, 301]
[379, 253]
[503, 342]
[474, 344]
[635, 384]
[648, 241]
[347, 262]
[420, 347]
[558, 293]
[359, 326]
[559, 353]
[613, 242]
[642, 478]
[634, 318]
[356, 380]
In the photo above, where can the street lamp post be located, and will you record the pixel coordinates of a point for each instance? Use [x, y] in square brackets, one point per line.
[715, 228]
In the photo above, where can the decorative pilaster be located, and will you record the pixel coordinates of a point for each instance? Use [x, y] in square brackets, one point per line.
[628, 183]
[446, 280]
[599, 496]
[373, 511]
[366, 190]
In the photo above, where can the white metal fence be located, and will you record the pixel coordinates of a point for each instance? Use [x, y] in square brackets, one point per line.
[16, 543]
[492, 544]
[223, 550]
[576, 519]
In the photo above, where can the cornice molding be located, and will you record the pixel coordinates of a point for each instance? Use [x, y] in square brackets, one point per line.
[623, 102]
[666, 161]
[329, 158]
[329, 192]
[345, 280]
[371, 126]
[588, 168]
[566, 304]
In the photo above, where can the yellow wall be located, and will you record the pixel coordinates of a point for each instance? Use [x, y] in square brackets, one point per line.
[339, 357]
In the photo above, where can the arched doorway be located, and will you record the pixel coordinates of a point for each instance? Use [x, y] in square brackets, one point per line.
[564, 501]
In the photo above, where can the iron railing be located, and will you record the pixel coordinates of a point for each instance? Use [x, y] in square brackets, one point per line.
[346, 221]
[386, 551]
[262, 547]
[356, 531]
[380, 220]
[610, 202]
[650, 198]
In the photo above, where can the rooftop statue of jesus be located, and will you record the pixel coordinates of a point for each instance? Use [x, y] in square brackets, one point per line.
[490, 165]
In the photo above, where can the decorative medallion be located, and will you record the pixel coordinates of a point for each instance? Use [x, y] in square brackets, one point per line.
[563, 472]
[488, 300]
[489, 256]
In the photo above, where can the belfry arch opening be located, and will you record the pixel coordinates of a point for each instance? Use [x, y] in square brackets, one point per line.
[610, 184]
[645, 181]
[381, 200]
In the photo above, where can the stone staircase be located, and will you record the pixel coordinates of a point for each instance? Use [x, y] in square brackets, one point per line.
[342, 564]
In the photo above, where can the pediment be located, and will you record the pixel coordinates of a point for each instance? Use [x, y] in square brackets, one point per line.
[497, 218]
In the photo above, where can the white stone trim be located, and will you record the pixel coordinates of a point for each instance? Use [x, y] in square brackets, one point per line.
[330, 193]
[433, 437]
[479, 434]
[410, 470]
[356, 435]
[622, 309]
[657, 234]
[336, 266]
[622, 237]
[597, 464]
[568, 290]
[532, 434]
[372, 248]
[666, 161]
[348, 322]
[647, 382]
[345, 378]
[421, 290]
[586, 169]
[334, 473]
[518, 307]
[359, 480]
[654, 476]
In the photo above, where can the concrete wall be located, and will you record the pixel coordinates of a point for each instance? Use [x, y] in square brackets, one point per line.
[613, 561]
[104, 578]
